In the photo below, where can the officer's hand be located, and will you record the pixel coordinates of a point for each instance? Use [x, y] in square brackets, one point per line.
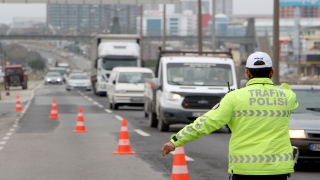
[167, 148]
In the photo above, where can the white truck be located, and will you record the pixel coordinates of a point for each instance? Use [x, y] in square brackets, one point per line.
[186, 85]
[109, 51]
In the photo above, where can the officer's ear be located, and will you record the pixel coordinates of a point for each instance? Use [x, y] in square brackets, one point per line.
[271, 73]
[248, 73]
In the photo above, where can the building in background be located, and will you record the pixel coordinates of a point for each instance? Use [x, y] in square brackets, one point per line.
[305, 11]
[222, 6]
[91, 18]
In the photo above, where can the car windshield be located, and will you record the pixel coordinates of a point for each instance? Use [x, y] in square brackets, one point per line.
[13, 71]
[307, 99]
[133, 77]
[53, 74]
[199, 74]
[61, 71]
[79, 76]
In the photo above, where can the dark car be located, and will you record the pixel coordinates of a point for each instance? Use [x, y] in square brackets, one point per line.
[15, 76]
[305, 122]
[53, 78]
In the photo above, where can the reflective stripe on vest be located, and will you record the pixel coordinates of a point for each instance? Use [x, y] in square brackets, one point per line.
[261, 158]
[261, 113]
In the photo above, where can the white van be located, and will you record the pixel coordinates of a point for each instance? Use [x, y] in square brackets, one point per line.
[126, 86]
[186, 86]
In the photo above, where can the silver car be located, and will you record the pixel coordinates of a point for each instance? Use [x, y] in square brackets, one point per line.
[53, 78]
[79, 81]
[305, 122]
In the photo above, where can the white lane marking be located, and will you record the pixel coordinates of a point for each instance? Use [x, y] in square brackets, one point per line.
[86, 97]
[9, 134]
[18, 119]
[1, 147]
[118, 117]
[108, 110]
[187, 157]
[89, 99]
[30, 99]
[5, 138]
[14, 125]
[142, 133]
[96, 103]
[3, 142]
[100, 106]
[12, 129]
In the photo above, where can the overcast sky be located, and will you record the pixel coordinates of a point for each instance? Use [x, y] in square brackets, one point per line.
[8, 11]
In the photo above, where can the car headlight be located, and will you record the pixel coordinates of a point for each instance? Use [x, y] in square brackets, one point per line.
[48, 79]
[102, 86]
[121, 91]
[58, 79]
[172, 96]
[297, 134]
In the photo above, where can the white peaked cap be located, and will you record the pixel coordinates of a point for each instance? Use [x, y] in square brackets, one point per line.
[259, 56]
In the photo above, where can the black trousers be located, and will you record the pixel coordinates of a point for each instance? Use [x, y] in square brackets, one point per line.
[260, 177]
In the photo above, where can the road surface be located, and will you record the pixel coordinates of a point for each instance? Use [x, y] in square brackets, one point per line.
[35, 147]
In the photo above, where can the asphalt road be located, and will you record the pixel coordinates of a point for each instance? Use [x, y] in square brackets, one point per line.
[35, 147]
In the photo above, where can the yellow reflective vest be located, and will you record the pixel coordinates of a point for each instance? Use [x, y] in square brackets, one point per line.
[258, 116]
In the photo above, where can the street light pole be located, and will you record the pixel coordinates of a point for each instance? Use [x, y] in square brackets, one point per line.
[141, 31]
[164, 28]
[213, 22]
[276, 42]
[199, 26]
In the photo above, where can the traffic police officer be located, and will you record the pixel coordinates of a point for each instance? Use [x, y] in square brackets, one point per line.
[258, 116]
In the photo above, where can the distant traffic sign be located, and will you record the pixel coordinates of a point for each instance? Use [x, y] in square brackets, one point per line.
[299, 2]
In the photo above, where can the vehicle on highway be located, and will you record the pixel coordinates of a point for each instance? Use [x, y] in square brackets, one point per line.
[126, 86]
[187, 85]
[109, 51]
[14, 75]
[80, 81]
[305, 122]
[61, 70]
[53, 78]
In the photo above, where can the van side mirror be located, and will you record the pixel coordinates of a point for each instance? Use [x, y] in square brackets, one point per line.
[114, 81]
[243, 83]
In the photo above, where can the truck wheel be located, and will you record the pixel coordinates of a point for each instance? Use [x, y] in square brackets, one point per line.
[115, 106]
[162, 126]
[110, 105]
[152, 118]
[24, 86]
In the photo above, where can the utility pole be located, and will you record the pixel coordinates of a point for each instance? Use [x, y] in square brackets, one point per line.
[213, 22]
[128, 19]
[141, 31]
[276, 42]
[164, 28]
[199, 26]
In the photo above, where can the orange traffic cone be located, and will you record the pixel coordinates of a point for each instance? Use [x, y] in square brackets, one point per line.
[18, 105]
[124, 143]
[179, 167]
[54, 110]
[80, 122]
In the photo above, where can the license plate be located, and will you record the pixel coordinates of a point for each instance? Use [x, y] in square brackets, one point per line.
[136, 99]
[196, 114]
[314, 147]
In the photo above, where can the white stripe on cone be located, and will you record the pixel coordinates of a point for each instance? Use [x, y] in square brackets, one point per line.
[179, 169]
[53, 112]
[80, 124]
[124, 128]
[80, 114]
[123, 142]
